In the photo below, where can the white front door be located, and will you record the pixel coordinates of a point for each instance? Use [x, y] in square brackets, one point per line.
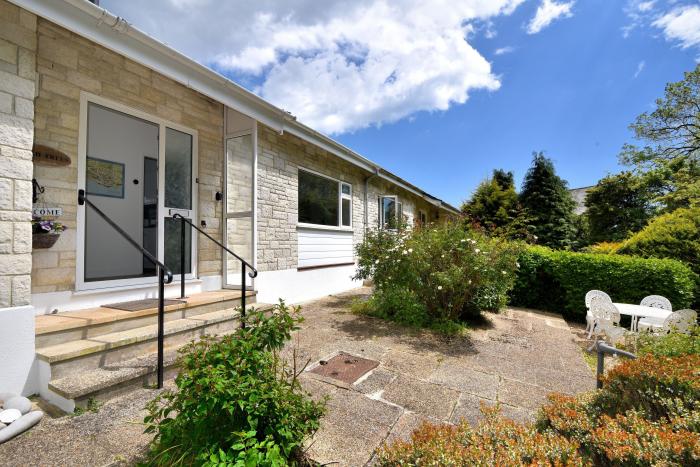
[139, 171]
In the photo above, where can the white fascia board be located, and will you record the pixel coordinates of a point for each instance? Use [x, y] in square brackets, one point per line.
[114, 33]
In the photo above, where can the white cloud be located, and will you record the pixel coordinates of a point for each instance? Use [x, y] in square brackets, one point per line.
[547, 12]
[640, 68]
[504, 50]
[682, 25]
[342, 67]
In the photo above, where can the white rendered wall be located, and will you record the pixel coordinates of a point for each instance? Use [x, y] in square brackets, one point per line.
[17, 350]
[298, 286]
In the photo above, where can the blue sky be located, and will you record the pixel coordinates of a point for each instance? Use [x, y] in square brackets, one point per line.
[423, 88]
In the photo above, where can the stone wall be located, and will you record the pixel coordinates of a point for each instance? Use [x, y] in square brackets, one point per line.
[18, 44]
[68, 64]
[279, 159]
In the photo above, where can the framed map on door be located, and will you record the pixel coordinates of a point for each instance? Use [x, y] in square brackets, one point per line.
[105, 178]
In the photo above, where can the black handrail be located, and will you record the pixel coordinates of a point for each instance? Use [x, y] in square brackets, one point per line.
[163, 272]
[601, 349]
[253, 272]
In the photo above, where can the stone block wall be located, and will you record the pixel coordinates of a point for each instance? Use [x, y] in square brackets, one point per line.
[279, 159]
[68, 64]
[18, 44]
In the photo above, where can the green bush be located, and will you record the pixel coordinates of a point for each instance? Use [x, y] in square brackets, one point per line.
[236, 402]
[558, 280]
[674, 235]
[673, 344]
[435, 275]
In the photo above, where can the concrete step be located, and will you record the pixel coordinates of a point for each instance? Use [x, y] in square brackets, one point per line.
[106, 366]
[92, 322]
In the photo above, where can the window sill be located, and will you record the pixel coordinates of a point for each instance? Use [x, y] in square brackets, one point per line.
[301, 225]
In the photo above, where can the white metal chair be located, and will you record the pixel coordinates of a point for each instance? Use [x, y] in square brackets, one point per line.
[590, 295]
[678, 321]
[657, 301]
[606, 319]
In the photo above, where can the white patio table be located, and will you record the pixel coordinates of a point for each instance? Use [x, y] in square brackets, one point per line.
[639, 311]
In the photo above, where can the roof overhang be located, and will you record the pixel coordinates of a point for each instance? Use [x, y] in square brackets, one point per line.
[97, 24]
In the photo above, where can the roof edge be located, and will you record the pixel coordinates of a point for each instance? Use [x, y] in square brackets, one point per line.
[115, 33]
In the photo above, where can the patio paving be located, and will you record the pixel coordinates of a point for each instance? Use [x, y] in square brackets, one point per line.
[516, 358]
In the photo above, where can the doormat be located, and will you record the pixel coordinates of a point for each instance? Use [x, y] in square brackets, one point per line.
[138, 305]
[345, 367]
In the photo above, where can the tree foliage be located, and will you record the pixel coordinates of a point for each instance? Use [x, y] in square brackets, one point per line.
[669, 160]
[548, 204]
[494, 206]
[674, 235]
[617, 206]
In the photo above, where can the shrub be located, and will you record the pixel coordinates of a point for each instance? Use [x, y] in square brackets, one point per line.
[674, 235]
[646, 414]
[236, 401]
[603, 248]
[673, 344]
[436, 274]
[495, 441]
[558, 280]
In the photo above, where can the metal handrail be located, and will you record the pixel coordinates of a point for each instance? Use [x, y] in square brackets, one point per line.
[601, 349]
[253, 272]
[164, 276]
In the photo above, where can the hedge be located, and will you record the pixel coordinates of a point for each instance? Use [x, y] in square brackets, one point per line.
[558, 280]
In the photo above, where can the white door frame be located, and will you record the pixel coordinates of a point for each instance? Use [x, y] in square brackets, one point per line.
[86, 99]
[254, 217]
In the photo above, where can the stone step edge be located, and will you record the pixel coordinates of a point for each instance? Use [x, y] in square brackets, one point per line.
[92, 381]
[83, 347]
[135, 315]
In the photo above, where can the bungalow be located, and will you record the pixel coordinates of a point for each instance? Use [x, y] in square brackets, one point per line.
[118, 138]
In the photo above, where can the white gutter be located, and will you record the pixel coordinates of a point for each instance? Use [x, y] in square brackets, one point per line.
[97, 24]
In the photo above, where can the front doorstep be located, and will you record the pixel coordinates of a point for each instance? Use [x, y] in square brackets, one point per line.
[98, 353]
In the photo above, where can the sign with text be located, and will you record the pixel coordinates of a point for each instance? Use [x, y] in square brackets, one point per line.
[44, 155]
[46, 211]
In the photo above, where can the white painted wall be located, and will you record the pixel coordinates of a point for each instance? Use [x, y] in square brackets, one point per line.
[17, 369]
[319, 247]
[298, 286]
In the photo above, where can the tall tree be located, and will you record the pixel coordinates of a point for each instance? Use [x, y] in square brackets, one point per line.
[669, 160]
[494, 206]
[616, 207]
[548, 204]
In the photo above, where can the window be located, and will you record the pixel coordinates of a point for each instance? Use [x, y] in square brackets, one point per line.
[324, 201]
[390, 212]
[422, 218]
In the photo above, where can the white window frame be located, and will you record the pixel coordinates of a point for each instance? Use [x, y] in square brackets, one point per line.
[86, 99]
[399, 210]
[422, 217]
[341, 196]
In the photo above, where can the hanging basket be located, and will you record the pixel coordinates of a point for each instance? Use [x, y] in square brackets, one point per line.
[44, 240]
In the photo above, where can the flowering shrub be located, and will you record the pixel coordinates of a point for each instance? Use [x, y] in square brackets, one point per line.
[436, 274]
[236, 402]
[648, 413]
[46, 226]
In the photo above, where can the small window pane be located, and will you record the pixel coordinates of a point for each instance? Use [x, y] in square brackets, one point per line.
[178, 169]
[318, 200]
[172, 246]
[346, 212]
[389, 212]
[346, 189]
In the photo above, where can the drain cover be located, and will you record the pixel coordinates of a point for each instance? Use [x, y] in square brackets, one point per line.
[345, 367]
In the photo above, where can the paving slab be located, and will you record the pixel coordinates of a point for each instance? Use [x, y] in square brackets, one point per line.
[465, 379]
[422, 397]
